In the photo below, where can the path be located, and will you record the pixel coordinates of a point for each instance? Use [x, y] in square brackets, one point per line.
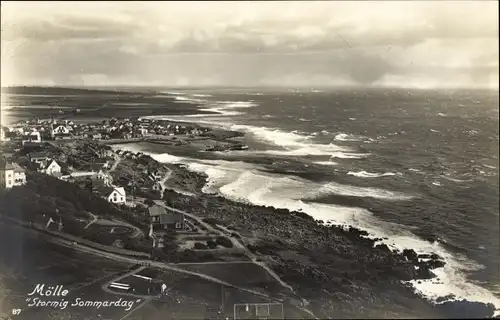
[94, 219]
[237, 243]
[150, 263]
[163, 183]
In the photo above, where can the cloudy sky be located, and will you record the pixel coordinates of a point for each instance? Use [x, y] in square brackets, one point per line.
[400, 43]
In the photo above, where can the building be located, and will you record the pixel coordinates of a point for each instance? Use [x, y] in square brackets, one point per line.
[19, 175]
[53, 169]
[6, 174]
[118, 195]
[32, 137]
[161, 218]
[103, 176]
[158, 186]
[60, 130]
[38, 157]
[94, 135]
[3, 136]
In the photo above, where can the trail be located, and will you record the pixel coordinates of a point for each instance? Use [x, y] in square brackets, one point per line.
[94, 219]
[250, 254]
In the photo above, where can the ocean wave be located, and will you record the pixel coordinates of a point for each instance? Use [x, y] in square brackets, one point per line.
[295, 144]
[185, 99]
[351, 155]
[326, 163]
[352, 191]
[201, 95]
[226, 108]
[365, 174]
[348, 137]
[242, 182]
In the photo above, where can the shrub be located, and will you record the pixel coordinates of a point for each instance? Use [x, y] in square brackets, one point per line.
[200, 246]
[225, 242]
[211, 244]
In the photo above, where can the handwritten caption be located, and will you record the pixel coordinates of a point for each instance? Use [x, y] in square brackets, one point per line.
[54, 297]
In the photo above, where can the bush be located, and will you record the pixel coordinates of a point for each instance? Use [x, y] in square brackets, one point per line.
[211, 244]
[213, 221]
[149, 202]
[225, 242]
[200, 246]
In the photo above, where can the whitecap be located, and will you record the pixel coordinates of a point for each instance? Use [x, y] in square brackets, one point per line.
[348, 137]
[240, 182]
[326, 163]
[365, 174]
[349, 155]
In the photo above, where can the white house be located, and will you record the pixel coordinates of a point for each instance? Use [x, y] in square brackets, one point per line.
[6, 175]
[34, 137]
[118, 195]
[60, 130]
[38, 157]
[104, 176]
[53, 168]
[19, 175]
[2, 134]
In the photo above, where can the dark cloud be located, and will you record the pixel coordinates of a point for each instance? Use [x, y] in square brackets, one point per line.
[248, 45]
[67, 28]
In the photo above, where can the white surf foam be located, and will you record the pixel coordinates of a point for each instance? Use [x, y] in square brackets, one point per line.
[237, 182]
[296, 144]
[348, 137]
[326, 163]
[365, 174]
[202, 95]
[351, 155]
[185, 99]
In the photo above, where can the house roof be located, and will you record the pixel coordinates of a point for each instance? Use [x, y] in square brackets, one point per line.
[171, 217]
[156, 210]
[120, 190]
[53, 161]
[101, 188]
[166, 217]
[17, 168]
[38, 155]
[4, 165]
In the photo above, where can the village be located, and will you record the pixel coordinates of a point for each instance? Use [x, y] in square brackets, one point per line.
[130, 213]
[75, 153]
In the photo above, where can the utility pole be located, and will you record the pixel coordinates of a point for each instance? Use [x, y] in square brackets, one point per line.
[132, 185]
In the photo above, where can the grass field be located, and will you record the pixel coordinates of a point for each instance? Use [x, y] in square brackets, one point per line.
[247, 275]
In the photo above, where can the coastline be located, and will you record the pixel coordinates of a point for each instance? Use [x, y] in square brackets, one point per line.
[308, 262]
[199, 181]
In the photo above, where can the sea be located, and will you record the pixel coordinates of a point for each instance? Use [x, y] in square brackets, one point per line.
[418, 168]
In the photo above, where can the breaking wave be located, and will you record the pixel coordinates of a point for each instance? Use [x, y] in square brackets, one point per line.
[365, 174]
[348, 137]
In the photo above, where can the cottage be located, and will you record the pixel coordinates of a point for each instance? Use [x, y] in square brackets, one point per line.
[164, 219]
[118, 195]
[60, 130]
[33, 137]
[3, 137]
[6, 174]
[19, 175]
[94, 135]
[53, 169]
[38, 157]
[158, 186]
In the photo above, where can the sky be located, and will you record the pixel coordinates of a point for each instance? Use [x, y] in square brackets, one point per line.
[428, 44]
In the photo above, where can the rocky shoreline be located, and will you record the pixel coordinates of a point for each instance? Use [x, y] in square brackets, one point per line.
[338, 269]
